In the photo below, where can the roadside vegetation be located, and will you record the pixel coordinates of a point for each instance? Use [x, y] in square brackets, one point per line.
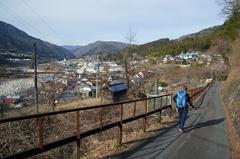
[230, 49]
[231, 88]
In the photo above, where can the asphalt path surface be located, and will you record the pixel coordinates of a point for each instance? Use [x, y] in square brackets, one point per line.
[205, 134]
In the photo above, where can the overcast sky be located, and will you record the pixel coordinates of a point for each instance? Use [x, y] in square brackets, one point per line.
[79, 22]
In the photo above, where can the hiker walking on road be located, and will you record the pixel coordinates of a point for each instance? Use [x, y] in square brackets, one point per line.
[182, 100]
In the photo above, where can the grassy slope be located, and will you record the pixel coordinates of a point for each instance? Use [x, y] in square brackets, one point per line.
[231, 87]
[231, 99]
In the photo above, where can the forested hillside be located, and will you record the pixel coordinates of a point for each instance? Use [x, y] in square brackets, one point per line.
[16, 41]
[231, 87]
[198, 41]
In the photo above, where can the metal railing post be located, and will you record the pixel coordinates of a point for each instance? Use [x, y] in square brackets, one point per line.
[160, 111]
[78, 137]
[171, 102]
[166, 102]
[120, 128]
[134, 109]
[145, 117]
[154, 104]
[101, 118]
[40, 132]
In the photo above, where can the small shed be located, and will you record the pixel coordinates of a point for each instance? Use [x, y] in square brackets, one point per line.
[118, 90]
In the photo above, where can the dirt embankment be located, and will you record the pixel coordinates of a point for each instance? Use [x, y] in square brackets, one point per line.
[231, 99]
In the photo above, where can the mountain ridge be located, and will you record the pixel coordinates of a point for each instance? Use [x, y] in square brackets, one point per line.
[13, 39]
[71, 48]
[100, 47]
[198, 41]
[201, 33]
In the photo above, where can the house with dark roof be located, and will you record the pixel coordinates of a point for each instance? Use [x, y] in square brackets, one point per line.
[118, 91]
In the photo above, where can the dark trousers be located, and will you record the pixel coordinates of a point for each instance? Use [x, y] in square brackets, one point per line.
[182, 115]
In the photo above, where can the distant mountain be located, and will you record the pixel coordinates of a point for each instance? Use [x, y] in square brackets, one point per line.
[199, 41]
[14, 40]
[71, 47]
[99, 47]
[202, 33]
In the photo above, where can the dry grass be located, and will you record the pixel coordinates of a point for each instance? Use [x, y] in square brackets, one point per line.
[61, 106]
[234, 138]
[80, 103]
[231, 98]
[106, 145]
[173, 73]
[231, 87]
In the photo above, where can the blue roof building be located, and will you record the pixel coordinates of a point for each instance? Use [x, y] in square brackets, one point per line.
[119, 91]
[116, 87]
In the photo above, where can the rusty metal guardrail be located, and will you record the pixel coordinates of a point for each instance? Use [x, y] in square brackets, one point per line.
[43, 147]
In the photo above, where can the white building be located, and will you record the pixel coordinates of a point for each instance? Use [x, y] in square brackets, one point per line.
[115, 69]
[80, 70]
[189, 56]
[165, 60]
[91, 69]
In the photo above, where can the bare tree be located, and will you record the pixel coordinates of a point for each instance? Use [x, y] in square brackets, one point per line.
[52, 90]
[236, 6]
[230, 7]
[130, 37]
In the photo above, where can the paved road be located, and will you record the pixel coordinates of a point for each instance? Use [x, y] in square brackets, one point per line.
[205, 136]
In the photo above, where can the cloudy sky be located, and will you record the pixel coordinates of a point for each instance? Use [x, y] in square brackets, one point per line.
[79, 22]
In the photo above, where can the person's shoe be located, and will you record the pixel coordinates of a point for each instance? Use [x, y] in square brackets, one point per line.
[181, 130]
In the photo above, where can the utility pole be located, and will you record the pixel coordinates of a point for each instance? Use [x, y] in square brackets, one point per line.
[35, 77]
[97, 74]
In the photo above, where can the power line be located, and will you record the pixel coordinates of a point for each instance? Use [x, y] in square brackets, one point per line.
[21, 20]
[43, 21]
